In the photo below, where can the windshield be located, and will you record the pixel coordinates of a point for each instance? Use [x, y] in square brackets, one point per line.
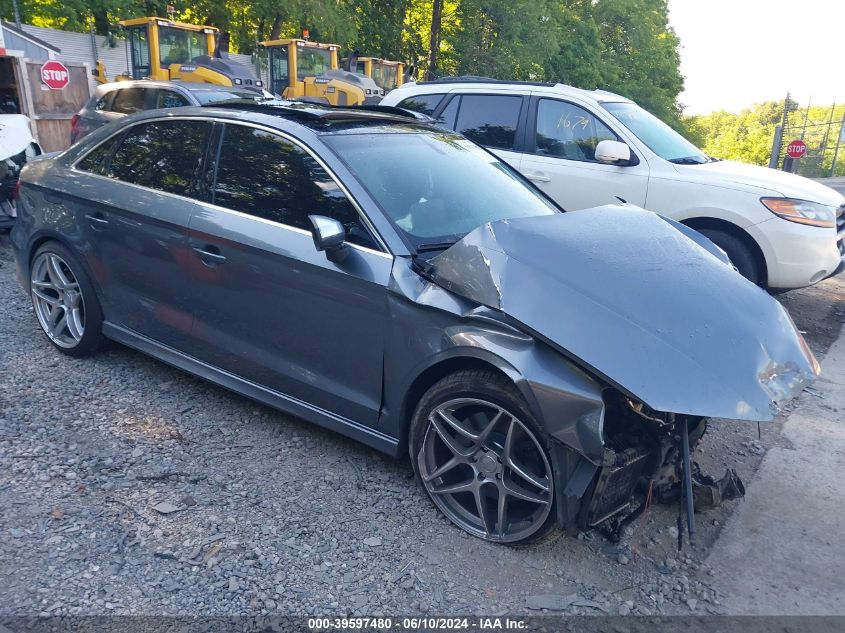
[385, 75]
[436, 187]
[659, 137]
[311, 61]
[180, 46]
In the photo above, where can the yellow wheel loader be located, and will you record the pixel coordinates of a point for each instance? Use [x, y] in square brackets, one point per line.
[387, 74]
[166, 50]
[309, 71]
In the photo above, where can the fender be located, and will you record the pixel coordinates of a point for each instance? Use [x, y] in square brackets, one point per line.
[565, 400]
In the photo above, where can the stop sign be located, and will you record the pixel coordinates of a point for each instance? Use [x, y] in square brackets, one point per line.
[54, 75]
[796, 149]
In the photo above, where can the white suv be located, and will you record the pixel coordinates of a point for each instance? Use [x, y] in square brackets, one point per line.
[588, 148]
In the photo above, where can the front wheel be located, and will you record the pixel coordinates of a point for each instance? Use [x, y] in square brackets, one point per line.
[739, 254]
[64, 300]
[482, 458]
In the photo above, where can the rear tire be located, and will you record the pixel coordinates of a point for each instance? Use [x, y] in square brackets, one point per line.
[483, 458]
[738, 252]
[65, 303]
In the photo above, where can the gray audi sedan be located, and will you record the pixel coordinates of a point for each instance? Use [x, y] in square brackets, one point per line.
[373, 274]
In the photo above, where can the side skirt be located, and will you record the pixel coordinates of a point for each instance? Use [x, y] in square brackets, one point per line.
[280, 401]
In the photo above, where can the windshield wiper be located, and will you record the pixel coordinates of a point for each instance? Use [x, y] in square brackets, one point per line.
[687, 160]
[435, 246]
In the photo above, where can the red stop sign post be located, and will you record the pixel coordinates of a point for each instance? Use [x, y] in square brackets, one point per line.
[796, 149]
[55, 75]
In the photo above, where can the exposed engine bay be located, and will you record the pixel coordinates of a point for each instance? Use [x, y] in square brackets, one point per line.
[645, 458]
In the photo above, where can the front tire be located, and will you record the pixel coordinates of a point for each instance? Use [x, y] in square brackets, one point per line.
[482, 458]
[64, 300]
[738, 252]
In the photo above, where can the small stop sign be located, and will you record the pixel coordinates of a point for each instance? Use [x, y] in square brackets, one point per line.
[54, 75]
[796, 149]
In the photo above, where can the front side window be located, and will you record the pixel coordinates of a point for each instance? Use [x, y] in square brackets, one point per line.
[436, 187]
[659, 137]
[180, 46]
[162, 155]
[489, 120]
[312, 61]
[170, 99]
[265, 175]
[129, 100]
[566, 130]
[424, 104]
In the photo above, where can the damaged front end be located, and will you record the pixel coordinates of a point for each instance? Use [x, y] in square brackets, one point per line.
[645, 457]
[671, 333]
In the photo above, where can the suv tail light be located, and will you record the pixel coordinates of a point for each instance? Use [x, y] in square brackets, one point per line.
[74, 127]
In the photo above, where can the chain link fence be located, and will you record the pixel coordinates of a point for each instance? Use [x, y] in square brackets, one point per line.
[823, 131]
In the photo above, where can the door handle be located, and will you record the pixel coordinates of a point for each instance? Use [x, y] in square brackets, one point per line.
[539, 178]
[97, 220]
[209, 256]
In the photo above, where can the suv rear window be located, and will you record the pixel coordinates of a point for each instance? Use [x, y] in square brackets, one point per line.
[489, 120]
[424, 104]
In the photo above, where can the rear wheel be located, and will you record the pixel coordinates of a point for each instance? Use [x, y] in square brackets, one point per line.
[64, 300]
[740, 255]
[482, 458]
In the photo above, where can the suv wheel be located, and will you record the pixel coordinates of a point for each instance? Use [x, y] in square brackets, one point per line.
[64, 300]
[482, 459]
[739, 254]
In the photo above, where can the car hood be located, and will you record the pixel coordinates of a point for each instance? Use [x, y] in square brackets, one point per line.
[636, 302]
[15, 135]
[772, 180]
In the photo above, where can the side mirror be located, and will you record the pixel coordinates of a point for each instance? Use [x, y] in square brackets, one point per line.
[613, 152]
[329, 236]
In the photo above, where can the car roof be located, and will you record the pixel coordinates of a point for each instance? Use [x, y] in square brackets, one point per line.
[459, 84]
[283, 115]
[173, 83]
[321, 117]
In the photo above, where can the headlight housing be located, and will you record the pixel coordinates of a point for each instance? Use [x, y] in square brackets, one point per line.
[801, 211]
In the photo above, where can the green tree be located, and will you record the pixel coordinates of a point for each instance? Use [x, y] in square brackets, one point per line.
[639, 55]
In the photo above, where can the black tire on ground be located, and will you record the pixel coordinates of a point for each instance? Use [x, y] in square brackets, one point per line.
[494, 388]
[92, 338]
[740, 255]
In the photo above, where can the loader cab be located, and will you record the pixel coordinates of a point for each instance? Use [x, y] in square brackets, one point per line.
[156, 44]
[387, 74]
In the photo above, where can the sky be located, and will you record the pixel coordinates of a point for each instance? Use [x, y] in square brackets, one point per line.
[735, 53]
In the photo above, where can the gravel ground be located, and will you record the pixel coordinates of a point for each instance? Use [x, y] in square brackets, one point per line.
[128, 487]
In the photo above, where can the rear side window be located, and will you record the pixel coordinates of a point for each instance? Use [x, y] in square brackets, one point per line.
[569, 131]
[163, 155]
[170, 99]
[264, 175]
[489, 120]
[129, 100]
[424, 104]
[97, 159]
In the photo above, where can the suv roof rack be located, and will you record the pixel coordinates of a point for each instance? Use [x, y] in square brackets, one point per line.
[322, 112]
[486, 80]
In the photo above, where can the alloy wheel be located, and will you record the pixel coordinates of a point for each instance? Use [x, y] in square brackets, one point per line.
[58, 300]
[486, 470]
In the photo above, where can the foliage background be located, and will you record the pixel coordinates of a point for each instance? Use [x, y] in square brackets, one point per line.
[624, 46]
